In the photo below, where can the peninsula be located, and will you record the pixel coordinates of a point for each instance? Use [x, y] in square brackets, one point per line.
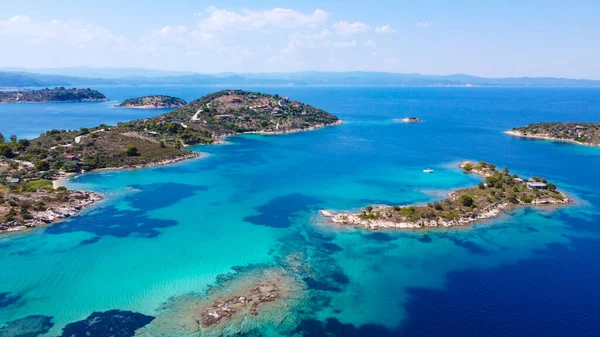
[58, 94]
[573, 132]
[153, 102]
[500, 191]
[27, 167]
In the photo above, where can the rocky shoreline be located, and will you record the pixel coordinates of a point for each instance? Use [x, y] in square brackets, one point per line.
[74, 203]
[400, 217]
[191, 155]
[464, 220]
[220, 140]
[547, 137]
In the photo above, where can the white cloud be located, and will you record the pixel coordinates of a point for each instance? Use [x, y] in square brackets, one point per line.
[385, 29]
[227, 21]
[423, 24]
[28, 30]
[345, 44]
[370, 43]
[325, 33]
[347, 28]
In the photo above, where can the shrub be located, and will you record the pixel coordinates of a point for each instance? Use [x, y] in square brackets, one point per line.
[481, 185]
[396, 208]
[369, 209]
[468, 167]
[466, 200]
[438, 205]
[131, 151]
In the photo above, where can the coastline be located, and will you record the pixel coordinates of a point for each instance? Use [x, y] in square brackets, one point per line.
[80, 201]
[382, 217]
[149, 107]
[353, 219]
[74, 101]
[87, 198]
[519, 134]
[312, 128]
[189, 156]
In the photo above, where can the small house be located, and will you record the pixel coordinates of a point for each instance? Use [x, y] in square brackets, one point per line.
[276, 111]
[223, 116]
[536, 185]
[285, 100]
[12, 180]
[153, 133]
[71, 157]
[518, 180]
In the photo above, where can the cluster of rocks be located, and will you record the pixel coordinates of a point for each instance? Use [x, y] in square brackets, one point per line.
[57, 210]
[246, 303]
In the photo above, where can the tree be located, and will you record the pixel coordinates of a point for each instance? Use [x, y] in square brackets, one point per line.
[2, 139]
[551, 186]
[369, 209]
[42, 166]
[468, 167]
[131, 151]
[481, 185]
[466, 200]
[5, 150]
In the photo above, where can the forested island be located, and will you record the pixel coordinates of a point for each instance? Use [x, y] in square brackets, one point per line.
[574, 132]
[500, 191]
[27, 167]
[153, 102]
[58, 94]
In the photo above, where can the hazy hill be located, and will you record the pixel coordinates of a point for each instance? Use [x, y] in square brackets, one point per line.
[134, 76]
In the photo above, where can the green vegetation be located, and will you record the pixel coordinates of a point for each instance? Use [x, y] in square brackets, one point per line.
[585, 133]
[131, 150]
[156, 101]
[498, 192]
[153, 140]
[58, 94]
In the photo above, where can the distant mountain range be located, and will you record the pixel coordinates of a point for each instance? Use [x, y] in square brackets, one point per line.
[138, 76]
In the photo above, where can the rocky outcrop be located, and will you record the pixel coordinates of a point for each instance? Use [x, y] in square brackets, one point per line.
[73, 204]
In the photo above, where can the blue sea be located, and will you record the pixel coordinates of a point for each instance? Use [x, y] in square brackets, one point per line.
[164, 236]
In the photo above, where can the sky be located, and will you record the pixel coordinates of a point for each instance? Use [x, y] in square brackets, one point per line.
[485, 38]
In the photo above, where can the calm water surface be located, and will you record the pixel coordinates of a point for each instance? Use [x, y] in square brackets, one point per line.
[173, 230]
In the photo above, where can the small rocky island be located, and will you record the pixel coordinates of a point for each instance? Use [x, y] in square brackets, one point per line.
[27, 167]
[411, 120]
[58, 94]
[153, 102]
[574, 132]
[500, 191]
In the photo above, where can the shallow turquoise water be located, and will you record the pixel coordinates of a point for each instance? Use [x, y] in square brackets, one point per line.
[172, 230]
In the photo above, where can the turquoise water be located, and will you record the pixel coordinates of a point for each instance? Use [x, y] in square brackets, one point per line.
[174, 230]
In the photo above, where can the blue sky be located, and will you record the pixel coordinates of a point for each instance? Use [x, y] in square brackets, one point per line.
[494, 39]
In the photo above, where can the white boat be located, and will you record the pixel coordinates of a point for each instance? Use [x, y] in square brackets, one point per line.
[427, 170]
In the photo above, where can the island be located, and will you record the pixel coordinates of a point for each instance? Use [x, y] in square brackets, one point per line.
[574, 132]
[153, 102]
[501, 191]
[58, 94]
[28, 167]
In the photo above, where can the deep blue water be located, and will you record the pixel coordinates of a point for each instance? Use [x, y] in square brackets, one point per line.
[167, 231]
